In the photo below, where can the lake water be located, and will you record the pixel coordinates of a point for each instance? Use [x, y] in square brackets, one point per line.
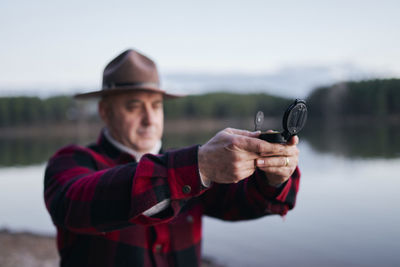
[347, 211]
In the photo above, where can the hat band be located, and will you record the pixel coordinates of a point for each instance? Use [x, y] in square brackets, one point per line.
[110, 86]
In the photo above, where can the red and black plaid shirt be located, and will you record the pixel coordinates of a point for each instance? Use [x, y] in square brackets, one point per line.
[96, 197]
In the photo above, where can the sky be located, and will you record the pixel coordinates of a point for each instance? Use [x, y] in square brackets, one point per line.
[63, 46]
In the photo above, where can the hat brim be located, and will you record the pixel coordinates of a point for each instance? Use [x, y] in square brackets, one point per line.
[102, 93]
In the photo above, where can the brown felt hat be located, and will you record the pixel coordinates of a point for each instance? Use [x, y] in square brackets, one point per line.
[130, 71]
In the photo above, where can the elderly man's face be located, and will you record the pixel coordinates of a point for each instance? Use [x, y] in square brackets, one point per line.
[135, 119]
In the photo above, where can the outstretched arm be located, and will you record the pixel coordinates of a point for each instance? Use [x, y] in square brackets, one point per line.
[82, 194]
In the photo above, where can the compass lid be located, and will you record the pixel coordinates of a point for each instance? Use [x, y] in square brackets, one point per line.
[295, 117]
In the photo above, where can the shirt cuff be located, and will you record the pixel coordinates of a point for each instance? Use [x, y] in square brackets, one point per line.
[269, 191]
[205, 184]
[157, 208]
[183, 173]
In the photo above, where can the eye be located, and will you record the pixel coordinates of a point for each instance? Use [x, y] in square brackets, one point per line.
[132, 106]
[158, 105]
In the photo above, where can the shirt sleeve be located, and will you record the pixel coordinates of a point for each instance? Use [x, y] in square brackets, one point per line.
[251, 198]
[83, 197]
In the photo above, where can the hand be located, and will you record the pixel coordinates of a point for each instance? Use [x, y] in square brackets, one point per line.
[229, 156]
[279, 167]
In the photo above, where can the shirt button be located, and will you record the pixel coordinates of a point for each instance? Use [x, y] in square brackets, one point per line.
[186, 189]
[158, 247]
[189, 219]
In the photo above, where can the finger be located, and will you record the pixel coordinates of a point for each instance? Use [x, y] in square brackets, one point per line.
[243, 167]
[242, 170]
[276, 171]
[247, 165]
[294, 140]
[276, 162]
[284, 151]
[281, 151]
[261, 147]
[243, 132]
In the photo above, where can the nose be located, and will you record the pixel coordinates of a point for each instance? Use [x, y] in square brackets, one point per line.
[148, 116]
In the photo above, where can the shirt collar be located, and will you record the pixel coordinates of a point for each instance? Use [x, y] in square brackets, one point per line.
[129, 150]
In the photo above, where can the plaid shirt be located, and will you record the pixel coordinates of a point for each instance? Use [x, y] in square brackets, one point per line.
[96, 197]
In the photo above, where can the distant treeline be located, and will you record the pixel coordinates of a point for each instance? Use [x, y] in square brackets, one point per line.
[33, 110]
[225, 105]
[15, 111]
[375, 99]
[365, 99]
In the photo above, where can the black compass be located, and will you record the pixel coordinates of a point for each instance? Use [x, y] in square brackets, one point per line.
[293, 122]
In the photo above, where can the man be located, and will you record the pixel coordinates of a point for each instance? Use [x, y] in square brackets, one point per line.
[125, 202]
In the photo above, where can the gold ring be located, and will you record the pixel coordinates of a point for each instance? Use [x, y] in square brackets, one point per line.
[286, 161]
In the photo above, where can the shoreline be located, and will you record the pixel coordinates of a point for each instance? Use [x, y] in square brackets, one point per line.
[22, 248]
[84, 129]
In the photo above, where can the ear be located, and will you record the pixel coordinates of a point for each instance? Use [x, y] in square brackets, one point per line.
[103, 109]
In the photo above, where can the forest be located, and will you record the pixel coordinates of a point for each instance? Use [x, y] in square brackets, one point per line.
[372, 99]
[377, 99]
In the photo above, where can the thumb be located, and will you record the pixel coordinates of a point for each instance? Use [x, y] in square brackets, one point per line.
[243, 132]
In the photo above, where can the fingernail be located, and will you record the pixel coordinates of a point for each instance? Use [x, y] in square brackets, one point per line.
[260, 161]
